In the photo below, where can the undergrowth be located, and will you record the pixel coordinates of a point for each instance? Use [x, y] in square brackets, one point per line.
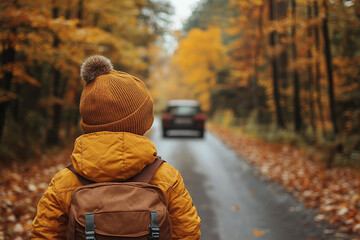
[334, 151]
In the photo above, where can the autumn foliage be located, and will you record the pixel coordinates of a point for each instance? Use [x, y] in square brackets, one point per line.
[42, 46]
[281, 66]
[291, 76]
[22, 186]
[286, 71]
[201, 56]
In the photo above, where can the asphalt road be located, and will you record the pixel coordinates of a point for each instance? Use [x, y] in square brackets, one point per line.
[233, 202]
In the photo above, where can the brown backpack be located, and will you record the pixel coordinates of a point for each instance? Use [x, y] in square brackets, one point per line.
[133, 209]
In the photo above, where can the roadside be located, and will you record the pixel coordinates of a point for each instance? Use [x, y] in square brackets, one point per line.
[21, 186]
[335, 192]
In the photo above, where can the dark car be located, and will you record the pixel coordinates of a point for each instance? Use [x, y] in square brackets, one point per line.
[183, 114]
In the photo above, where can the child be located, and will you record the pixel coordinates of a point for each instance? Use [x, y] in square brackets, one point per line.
[116, 111]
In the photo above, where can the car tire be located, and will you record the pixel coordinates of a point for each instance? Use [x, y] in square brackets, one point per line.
[202, 132]
[164, 133]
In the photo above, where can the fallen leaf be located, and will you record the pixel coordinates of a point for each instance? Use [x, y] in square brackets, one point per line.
[340, 235]
[343, 211]
[294, 209]
[235, 208]
[319, 217]
[18, 228]
[356, 228]
[335, 192]
[258, 233]
[334, 219]
[329, 231]
[32, 188]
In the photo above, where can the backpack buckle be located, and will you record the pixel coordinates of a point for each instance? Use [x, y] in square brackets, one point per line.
[89, 226]
[154, 226]
[154, 233]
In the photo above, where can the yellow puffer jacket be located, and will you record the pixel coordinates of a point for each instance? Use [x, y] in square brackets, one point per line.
[111, 156]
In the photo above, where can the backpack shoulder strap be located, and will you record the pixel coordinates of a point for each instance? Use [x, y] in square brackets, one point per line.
[83, 180]
[148, 172]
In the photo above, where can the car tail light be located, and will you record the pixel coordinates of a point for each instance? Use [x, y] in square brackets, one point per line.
[167, 116]
[200, 117]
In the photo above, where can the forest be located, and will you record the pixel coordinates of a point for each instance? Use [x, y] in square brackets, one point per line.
[285, 71]
[282, 70]
[43, 44]
[278, 80]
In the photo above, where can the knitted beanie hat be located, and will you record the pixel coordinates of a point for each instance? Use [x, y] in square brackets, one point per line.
[112, 100]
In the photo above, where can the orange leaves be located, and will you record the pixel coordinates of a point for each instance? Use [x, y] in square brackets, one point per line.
[235, 208]
[114, 30]
[335, 192]
[20, 77]
[13, 16]
[22, 185]
[6, 95]
[258, 233]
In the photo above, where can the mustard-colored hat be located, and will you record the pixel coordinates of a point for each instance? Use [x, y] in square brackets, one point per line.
[112, 100]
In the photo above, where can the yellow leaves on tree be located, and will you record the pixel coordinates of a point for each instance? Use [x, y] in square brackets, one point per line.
[164, 81]
[43, 44]
[200, 56]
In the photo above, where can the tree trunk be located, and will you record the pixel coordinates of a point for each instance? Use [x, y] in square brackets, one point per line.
[256, 59]
[317, 70]
[68, 10]
[275, 71]
[15, 105]
[329, 70]
[53, 132]
[283, 58]
[297, 111]
[80, 13]
[8, 58]
[310, 77]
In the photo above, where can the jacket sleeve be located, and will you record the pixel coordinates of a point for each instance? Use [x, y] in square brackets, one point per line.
[51, 219]
[185, 220]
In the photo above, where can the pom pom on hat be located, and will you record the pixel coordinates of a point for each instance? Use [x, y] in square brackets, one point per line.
[95, 66]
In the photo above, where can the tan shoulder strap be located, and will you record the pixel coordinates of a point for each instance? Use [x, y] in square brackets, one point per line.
[83, 180]
[148, 172]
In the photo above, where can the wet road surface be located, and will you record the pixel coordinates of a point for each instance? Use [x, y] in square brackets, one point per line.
[232, 203]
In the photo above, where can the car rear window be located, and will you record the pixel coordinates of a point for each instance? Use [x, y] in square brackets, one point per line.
[183, 110]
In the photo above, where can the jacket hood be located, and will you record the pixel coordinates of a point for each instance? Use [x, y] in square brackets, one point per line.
[111, 156]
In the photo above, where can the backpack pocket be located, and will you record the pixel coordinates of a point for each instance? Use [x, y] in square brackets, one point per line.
[118, 224]
[119, 211]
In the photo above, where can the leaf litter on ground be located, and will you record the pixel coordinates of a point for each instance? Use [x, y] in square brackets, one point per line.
[335, 191]
[22, 184]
